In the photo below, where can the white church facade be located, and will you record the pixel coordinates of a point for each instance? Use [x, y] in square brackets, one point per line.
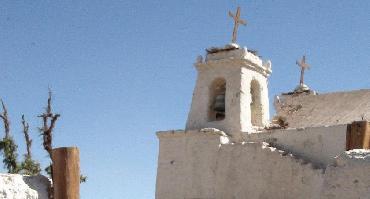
[316, 146]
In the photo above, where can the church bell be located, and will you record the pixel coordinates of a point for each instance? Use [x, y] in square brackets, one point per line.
[219, 105]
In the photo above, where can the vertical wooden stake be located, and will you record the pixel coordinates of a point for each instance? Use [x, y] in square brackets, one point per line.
[66, 173]
[358, 135]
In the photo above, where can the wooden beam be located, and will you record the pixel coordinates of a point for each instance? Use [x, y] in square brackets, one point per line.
[66, 173]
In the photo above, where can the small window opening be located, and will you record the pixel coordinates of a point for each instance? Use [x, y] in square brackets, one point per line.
[256, 106]
[217, 100]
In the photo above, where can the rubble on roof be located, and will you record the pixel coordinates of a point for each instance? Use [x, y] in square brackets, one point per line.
[227, 47]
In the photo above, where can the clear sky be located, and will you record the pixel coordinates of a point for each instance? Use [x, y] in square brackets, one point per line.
[122, 70]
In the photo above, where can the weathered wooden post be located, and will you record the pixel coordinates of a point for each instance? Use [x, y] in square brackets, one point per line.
[358, 135]
[66, 173]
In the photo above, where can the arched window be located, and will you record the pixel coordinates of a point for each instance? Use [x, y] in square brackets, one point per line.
[217, 95]
[256, 106]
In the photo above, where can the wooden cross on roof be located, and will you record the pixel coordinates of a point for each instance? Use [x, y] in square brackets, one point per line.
[237, 21]
[303, 65]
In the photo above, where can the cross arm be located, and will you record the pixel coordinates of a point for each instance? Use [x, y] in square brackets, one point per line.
[302, 64]
[231, 15]
[241, 21]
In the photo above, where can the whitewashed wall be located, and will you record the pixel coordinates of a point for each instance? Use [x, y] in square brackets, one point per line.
[14, 186]
[349, 177]
[319, 144]
[197, 165]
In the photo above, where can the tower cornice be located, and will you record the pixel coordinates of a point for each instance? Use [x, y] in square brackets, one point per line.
[235, 58]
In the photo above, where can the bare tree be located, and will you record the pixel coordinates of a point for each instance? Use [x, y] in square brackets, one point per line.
[28, 166]
[7, 144]
[48, 120]
[48, 126]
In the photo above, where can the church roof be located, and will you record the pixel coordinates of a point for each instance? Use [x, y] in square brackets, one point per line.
[305, 110]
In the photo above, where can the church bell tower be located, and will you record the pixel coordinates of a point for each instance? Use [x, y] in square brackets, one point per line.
[231, 91]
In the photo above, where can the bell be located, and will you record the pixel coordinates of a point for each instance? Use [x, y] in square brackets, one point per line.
[219, 105]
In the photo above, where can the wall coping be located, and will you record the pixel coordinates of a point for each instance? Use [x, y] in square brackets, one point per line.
[182, 133]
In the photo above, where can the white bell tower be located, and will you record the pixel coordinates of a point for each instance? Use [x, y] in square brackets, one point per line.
[231, 91]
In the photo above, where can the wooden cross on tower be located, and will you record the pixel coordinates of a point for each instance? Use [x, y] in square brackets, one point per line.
[237, 21]
[303, 65]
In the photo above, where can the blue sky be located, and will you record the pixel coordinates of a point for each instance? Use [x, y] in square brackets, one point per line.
[121, 70]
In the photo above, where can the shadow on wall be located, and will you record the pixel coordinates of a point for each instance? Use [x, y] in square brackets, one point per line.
[38, 183]
[256, 105]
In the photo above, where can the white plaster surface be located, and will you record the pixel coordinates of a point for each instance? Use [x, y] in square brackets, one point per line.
[14, 186]
[350, 177]
[195, 165]
[318, 144]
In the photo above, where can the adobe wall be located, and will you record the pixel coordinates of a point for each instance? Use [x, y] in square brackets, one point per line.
[19, 186]
[203, 165]
[319, 144]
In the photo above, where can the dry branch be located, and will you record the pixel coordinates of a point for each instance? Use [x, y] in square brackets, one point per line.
[6, 121]
[27, 136]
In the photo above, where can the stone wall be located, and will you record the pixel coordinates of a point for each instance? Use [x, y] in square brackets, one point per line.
[14, 186]
[203, 164]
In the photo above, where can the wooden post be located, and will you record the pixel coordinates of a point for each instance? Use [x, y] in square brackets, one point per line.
[358, 135]
[66, 173]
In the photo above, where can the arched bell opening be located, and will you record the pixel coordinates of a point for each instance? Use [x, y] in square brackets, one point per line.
[256, 105]
[217, 107]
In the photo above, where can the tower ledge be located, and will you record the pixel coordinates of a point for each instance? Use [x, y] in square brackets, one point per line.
[224, 138]
[232, 54]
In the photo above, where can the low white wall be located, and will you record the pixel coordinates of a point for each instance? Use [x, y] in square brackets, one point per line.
[249, 171]
[183, 159]
[197, 165]
[319, 144]
[14, 186]
[349, 177]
